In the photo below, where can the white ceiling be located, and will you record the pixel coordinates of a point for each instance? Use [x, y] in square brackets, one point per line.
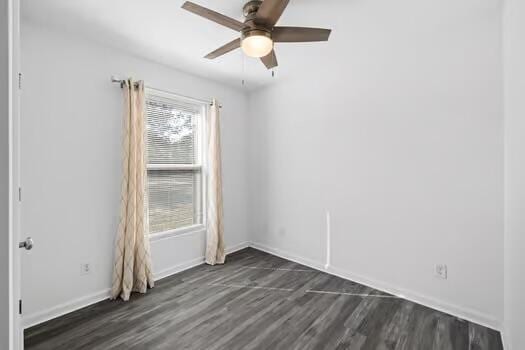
[159, 30]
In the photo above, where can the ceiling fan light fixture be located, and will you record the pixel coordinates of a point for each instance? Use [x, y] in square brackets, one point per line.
[257, 43]
[258, 31]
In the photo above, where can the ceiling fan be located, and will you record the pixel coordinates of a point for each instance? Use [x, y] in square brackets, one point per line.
[258, 32]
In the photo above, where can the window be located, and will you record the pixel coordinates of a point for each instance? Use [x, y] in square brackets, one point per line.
[174, 137]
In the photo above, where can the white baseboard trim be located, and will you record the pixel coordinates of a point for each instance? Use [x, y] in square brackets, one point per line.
[178, 268]
[64, 308]
[238, 247]
[33, 319]
[288, 256]
[455, 310]
[194, 262]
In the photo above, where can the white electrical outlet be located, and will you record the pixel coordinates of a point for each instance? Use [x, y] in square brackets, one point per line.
[85, 269]
[441, 271]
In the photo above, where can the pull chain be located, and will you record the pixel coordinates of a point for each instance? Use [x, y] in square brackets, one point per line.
[243, 70]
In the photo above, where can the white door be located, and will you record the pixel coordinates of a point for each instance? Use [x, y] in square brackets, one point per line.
[18, 244]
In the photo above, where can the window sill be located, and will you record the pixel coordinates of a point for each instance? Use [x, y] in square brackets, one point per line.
[184, 231]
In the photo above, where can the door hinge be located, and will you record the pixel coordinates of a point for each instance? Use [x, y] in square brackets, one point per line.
[19, 194]
[20, 306]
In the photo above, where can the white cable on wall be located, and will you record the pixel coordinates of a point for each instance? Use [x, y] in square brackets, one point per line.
[328, 241]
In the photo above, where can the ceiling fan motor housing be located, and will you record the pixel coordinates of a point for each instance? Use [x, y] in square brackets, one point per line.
[250, 9]
[250, 12]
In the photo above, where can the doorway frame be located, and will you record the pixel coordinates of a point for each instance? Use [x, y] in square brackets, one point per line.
[15, 325]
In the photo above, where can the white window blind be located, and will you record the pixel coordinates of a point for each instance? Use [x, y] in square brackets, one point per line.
[174, 150]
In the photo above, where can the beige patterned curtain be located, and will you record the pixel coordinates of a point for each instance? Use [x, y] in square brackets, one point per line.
[132, 269]
[215, 231]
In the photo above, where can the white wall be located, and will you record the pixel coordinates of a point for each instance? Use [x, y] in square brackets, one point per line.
[396, 128]
[514, 54]
[71, 166]
[4, 176]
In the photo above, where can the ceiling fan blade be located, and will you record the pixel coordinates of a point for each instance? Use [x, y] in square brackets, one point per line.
[299, 34]
[270, 12]
[213, 16]
[232, 45]
[270, 60]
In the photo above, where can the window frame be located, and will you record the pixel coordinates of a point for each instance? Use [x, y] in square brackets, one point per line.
[201, 165]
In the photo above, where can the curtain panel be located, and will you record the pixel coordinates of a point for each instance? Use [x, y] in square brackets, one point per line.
[215, 250]
[132, 268]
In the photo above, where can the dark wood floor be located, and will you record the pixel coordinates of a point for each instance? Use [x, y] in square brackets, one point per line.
[259, 301]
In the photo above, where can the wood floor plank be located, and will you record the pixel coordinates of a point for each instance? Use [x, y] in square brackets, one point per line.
[259, 301]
